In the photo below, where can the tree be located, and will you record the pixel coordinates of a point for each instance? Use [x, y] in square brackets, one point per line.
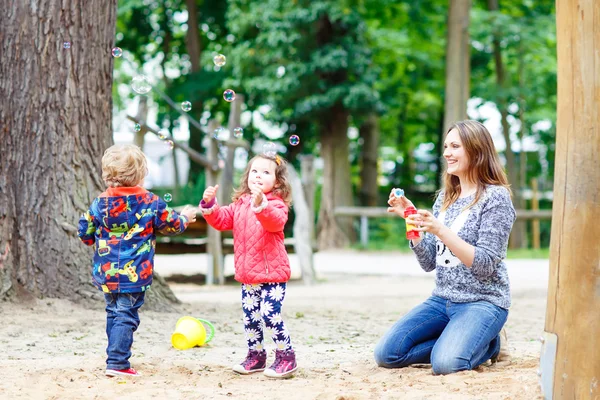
[55, 123]
[310, 63]
[458, 63]
[515, 66]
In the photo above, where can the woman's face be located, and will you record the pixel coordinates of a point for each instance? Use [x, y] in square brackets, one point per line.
[455, 155]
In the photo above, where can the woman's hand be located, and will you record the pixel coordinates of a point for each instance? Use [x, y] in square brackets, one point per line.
[398, 204]
[424, 221]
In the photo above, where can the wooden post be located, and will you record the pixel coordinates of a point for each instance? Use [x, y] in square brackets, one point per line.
[307, 174]
[226, 185]
[572, 312]
[535, 206]
[303, 226]
[214, 270]
[364, 231]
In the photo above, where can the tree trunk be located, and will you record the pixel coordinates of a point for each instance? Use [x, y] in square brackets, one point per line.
[511, 166]
[55, 123]
[369, 132]
[458, 63]
[570, 365]
[194, 49]
[336, 189]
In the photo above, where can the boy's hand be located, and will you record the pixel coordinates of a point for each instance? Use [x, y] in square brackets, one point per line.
[190, 213]
[257, 195]
[210, 193]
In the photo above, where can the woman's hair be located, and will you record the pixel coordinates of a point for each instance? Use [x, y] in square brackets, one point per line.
[484, 164]
[124, 165]
[282, 186]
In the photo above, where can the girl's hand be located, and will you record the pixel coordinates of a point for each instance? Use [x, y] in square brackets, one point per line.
[210, 193]
[398, 204]
[189, 213]
[257, 195]
[424, 221]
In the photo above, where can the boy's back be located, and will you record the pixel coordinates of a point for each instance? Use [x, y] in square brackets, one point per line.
[121, 224]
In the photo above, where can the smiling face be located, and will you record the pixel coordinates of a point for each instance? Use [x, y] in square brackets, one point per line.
[455, 155]
[262, 174]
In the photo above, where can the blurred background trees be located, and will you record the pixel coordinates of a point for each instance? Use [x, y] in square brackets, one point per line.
[367, 85]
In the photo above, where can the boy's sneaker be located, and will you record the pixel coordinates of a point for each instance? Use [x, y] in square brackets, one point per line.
[255, 361]
[122, 372]
[284, 365]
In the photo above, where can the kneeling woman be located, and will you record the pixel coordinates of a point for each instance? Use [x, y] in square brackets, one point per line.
[464, 240]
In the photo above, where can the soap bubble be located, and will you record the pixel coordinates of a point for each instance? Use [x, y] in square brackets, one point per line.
[168, 197]
[137, 127]
[294, 140]
[186, 106]
[229, 95]
[170, 144]
[238, 132]
[117, 52]
[66, 45]
[140, 84]
[219, 60]
[163, 134]
[270, 149]
[398, 192]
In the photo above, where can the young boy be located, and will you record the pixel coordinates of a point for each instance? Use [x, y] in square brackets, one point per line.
[121, 224]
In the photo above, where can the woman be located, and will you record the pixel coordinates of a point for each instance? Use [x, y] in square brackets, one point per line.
[464, 240]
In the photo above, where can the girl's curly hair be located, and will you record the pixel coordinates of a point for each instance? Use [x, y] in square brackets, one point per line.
[282, 186]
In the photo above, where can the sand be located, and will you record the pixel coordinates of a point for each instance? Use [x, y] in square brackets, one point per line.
[54, 349]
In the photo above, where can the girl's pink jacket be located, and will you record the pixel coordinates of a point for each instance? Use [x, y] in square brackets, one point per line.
[259, 252]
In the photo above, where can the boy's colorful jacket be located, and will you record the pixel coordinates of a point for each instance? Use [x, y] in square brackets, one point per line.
[259, 251]
[121, 225]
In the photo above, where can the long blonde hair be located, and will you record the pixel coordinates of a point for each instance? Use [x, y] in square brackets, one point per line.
[282, 186]
[484, 164]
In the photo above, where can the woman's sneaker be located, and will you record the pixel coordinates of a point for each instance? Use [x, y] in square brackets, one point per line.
[122, 372]
[504, 352]
[255, 361]
[284, 365]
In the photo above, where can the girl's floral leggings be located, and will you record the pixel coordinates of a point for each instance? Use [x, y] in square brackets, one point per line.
[262, 303]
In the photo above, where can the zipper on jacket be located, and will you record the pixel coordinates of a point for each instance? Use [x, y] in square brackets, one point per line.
[266, 264]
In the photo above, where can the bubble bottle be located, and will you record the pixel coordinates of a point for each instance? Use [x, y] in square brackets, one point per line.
[411, 232]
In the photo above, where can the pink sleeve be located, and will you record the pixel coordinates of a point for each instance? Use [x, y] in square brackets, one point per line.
[220, 218]
[274, 216]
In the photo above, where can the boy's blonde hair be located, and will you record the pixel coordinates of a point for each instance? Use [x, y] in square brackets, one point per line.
[123, 165]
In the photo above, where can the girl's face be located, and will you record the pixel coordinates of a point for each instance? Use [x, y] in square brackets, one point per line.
[455, 155]
[262, 174]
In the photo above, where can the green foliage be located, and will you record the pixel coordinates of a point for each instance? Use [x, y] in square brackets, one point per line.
[527, 34]
[302, 58]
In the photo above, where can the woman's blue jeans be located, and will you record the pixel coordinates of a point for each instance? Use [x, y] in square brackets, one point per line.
[450, 336]
[122, 320]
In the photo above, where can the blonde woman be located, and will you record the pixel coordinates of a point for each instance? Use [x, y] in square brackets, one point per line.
[464, 240]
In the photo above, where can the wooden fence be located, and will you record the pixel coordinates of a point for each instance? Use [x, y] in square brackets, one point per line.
[364, 213]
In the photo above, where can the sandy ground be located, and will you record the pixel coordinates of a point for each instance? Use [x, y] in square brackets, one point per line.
[53, 349]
